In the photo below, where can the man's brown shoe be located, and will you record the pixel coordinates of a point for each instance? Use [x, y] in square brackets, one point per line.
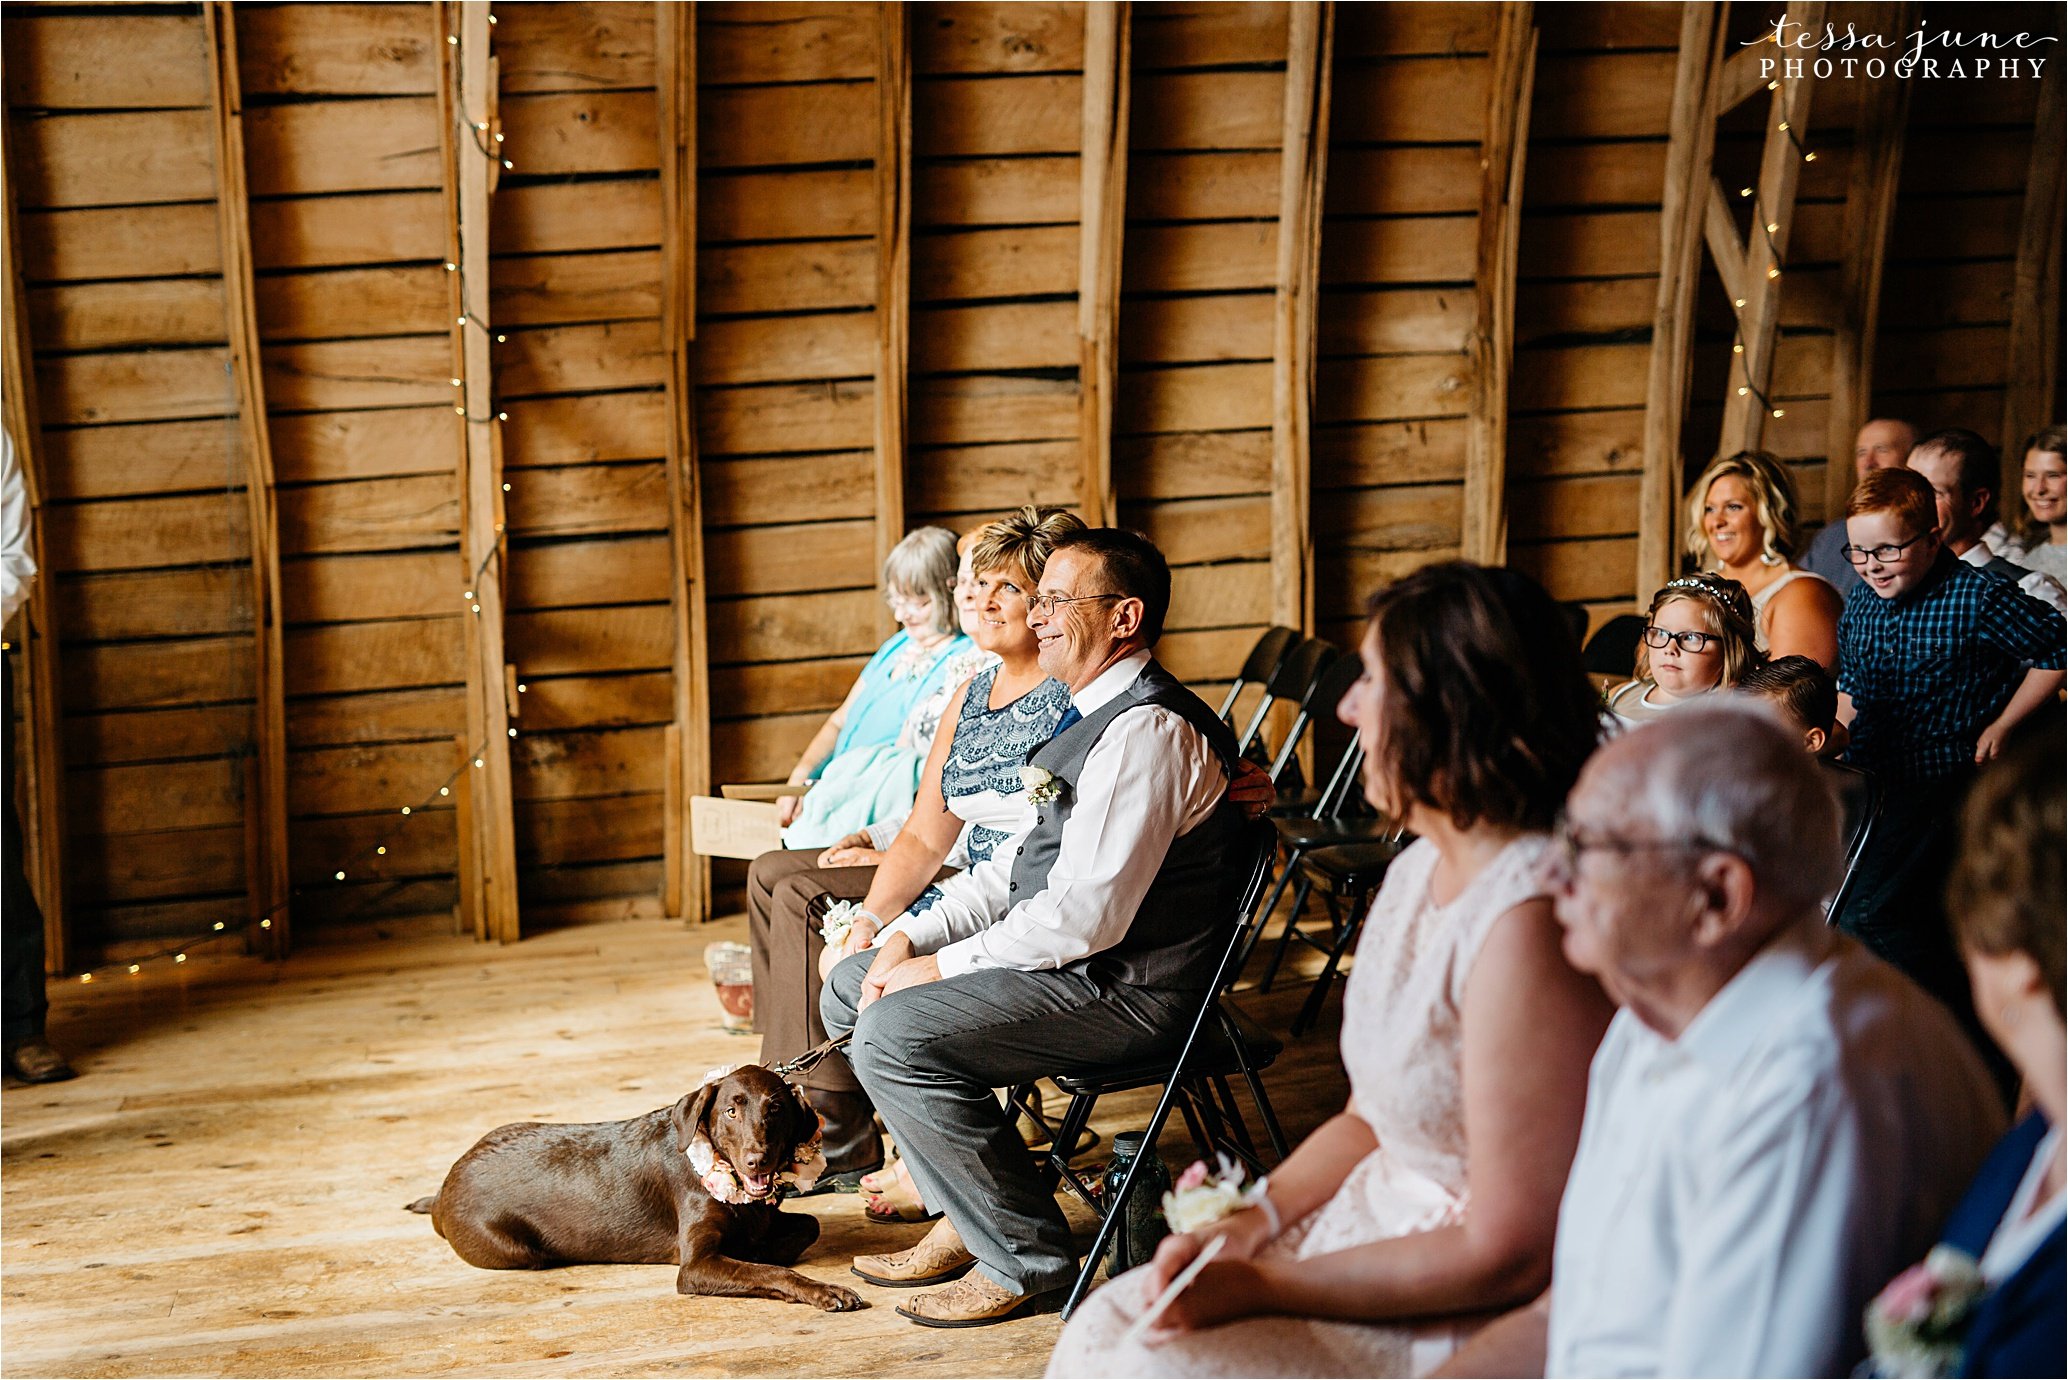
[34, 1061]
[972, 1301]
[938, 1258]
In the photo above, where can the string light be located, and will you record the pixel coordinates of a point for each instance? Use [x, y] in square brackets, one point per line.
[136, 967]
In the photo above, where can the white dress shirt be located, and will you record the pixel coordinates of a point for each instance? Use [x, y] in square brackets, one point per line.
[2037, 583]
[1741, 1192]
[17, 566]
[1150, 778]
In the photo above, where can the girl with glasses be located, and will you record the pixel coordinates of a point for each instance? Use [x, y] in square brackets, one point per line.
[1698, 638]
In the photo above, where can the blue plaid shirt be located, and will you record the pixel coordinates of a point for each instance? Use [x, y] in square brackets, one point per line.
[1929, 671]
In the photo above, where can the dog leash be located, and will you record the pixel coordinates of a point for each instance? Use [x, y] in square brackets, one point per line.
[810, 1059]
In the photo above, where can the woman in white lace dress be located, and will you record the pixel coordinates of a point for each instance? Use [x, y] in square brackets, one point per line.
[1433, 1196]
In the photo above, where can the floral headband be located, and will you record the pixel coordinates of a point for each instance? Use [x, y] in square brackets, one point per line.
[722, 1181]
[1731, 597]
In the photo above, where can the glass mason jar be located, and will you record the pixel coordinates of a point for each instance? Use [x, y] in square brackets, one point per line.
[1135, 1240]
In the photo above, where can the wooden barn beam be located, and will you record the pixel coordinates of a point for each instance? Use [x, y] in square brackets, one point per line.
[1303, 172]
[266, 864]
[467, 99]
[1102, 226]
[1874, 167]
[2033, 363]
[36, 647]
[1683, 213]
[1748, 401]
[893, 265]
[1502, 155]
[688, 875]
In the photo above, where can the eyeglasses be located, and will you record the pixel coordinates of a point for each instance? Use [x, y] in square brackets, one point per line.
[1570, 843]
[1887, 553]
[901, 602]
[1046, 604]
[1656, 638]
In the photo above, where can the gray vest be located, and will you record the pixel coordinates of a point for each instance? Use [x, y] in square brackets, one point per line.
[1181, 928]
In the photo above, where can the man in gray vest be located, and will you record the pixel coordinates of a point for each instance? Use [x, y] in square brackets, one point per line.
[1089, 944]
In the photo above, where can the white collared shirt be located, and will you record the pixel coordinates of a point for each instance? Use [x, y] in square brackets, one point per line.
[17, 566]
[1149, 779]
[1741, 1192]
[2037, 583]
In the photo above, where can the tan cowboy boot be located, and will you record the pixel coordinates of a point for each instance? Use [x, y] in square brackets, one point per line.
[938, 1258]
[971, 1301]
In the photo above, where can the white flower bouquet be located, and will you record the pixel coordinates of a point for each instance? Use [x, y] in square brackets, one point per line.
[1202, 1197]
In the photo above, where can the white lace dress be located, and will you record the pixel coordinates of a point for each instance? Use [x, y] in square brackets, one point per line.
[1403, 1047]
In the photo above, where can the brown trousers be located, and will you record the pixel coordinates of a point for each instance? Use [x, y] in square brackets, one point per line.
[786, 956]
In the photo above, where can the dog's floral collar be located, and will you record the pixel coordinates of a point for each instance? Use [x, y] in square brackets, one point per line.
[722, 1181]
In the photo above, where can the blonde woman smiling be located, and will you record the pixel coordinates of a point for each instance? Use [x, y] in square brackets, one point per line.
[1741, 523]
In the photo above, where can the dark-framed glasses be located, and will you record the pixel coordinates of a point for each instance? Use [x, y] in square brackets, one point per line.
[1046, 604]
[1888, 553]
[1571, 842]
[1656, 638]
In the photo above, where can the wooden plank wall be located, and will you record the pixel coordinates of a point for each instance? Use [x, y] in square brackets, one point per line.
[146, 522]
[580, 371]
[350, 214]
[349, 248]
[1398, 299]
[1192, 420]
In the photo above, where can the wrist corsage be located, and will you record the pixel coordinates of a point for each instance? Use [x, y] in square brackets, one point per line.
[1918, 1324]
[1042, 785]
[1202, 1197]
[839, 919]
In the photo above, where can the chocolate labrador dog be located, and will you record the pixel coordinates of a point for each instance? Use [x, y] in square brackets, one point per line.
[692, 1185]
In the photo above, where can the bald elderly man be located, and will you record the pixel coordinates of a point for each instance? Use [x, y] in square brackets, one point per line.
[1777, 1122]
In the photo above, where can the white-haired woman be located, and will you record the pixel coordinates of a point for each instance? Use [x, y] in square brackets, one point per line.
[867, 756]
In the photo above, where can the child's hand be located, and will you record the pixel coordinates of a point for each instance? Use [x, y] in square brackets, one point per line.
[1990, 743]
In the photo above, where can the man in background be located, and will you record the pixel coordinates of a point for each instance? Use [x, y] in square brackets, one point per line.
[1962, 468]
[23, 1003]
[1883, 444]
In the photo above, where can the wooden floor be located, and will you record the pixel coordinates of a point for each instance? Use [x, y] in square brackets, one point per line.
[221, 1192]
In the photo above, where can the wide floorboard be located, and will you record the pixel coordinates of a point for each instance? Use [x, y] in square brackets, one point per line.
[221, 1192]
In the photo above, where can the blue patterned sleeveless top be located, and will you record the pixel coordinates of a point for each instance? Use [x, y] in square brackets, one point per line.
[991, 745]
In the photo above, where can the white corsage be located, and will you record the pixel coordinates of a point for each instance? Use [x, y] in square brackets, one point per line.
[839, 919]
[1917, 1326]
[1202, 1197]
[724, 1183]
[1042, 785]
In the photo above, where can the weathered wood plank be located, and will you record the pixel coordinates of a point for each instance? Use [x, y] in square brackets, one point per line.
[583, 500]
[1209, 35]
[805, 489]
[352, 302]
[1221, 111]
[1422, 249]
[999, 37]
[368, 780]
[126, 158]
[333, 589]
[893, 296]
[580, 132]
[801, 275]
[1031, 190]
[978, 117]
[558, 766]
[105, 61]
[154, 675]
[557, 289]
[378, 716]
[637, 637]
[346, 231]
[589, 702]
[558, 217]
[129, 534]
[109, 242]
[1001, 335]
[565, 359]
[2032, 365]
[773, 418]
[630, 570]
[785, 43]
[322, 446]
[569, 431]
[753, 127]
[134, 799]
[790, 558]
[991, 479]
[158, 735]
[383, 144]
[794, 627]
[1393, 388]
[127, 315]
[786, 204]
[974, 409]
[1419, 100]
[134, 386]
[1025, 262]
[370, 515]
[115, 868]
[335, 375]
[206, 600]
[398, 654]
[340, 49]
[585, 47]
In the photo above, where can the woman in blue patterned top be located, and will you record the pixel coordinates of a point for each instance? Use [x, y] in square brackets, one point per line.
[970, 802]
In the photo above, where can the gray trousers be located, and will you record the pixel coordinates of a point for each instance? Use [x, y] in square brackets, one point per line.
[930, 1056]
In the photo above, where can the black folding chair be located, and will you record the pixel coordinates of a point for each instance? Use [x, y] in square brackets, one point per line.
[1292, 683]
[1346, 875]
[1612, 651]
[1221, 1043]
[1859, 805]
[1258, 666]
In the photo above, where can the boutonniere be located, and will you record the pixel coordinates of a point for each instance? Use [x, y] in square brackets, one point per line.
[1917, 1326]
[1042, 785]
